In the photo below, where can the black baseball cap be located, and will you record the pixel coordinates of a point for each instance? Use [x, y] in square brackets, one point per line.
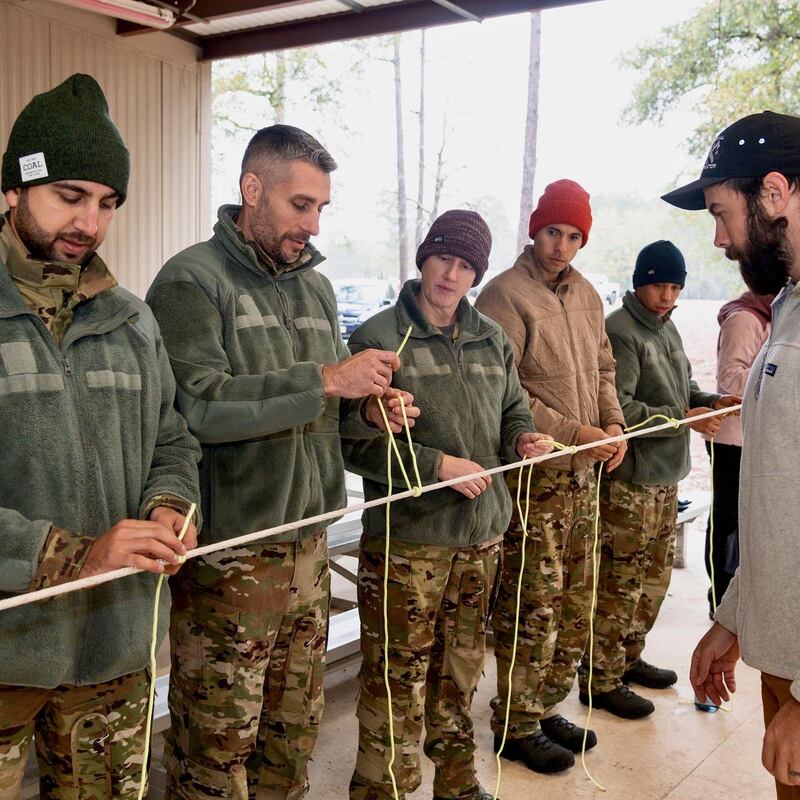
[750, 148]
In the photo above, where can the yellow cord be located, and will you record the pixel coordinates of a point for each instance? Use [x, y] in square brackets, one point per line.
[523, 517]
[153, 644]
[392, 449]
[595, 573]
[711, 532]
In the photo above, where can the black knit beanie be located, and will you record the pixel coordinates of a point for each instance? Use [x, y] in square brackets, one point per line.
[659, 262]
[67, 134]
[459, 233]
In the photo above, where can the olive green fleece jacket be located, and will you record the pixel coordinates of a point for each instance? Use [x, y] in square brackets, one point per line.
[472, 407]
[247, 346]
[653, 376]
[89, 437]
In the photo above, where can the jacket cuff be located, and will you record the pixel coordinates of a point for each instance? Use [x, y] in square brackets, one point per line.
[63, 557]
[726, 616]
[164, 499]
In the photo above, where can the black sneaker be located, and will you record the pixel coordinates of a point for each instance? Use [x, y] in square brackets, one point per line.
[621, 702]
[563, 732]
[478, 793]
[647, 675]
[537, 753]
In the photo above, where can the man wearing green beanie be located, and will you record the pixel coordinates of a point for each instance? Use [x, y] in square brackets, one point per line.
[97, 469]
[638, 502]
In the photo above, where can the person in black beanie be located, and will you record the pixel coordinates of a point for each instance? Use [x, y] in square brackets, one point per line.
[638, 503]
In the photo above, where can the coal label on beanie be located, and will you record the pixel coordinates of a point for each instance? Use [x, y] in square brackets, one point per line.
[33, 167]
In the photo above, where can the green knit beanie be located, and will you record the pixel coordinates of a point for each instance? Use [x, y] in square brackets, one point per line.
[67, 134]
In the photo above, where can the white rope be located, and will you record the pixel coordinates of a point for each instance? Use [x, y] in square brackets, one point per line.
[274, 532]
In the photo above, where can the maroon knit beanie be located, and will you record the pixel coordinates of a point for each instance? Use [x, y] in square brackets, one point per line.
[459, 233]
[564, 202]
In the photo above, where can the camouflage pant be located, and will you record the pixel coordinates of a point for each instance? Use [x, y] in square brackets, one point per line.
[248, 634]
[556, 597]
[438, 601]
[89, 739]
[638, 542]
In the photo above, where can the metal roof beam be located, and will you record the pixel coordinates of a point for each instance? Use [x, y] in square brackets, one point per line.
[372, 21]
[458, 10]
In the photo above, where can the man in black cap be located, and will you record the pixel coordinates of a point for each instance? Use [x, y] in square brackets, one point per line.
[638, 501]
[750, 184]
[97, 469]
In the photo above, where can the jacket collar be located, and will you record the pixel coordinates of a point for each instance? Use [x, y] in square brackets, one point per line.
[471, 324]
[249, 255]
[647, 318]
[526, 263]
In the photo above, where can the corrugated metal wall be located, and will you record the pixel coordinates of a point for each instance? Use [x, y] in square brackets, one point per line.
[162, 110]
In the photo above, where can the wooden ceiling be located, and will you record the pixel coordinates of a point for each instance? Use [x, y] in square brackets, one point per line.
[227, 28]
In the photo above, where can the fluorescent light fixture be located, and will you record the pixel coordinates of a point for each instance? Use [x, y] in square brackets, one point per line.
[129, 10]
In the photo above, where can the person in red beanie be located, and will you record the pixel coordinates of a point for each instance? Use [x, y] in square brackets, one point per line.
[555, 321]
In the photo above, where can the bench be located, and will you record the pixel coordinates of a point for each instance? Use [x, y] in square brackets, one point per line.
[700, 504]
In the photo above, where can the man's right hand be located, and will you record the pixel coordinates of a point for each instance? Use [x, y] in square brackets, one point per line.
[453, 467]
[588, 433]
[134, 543]
[368, 372]
[713, 665]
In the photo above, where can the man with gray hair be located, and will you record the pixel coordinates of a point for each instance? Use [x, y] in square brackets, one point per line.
[253, 336]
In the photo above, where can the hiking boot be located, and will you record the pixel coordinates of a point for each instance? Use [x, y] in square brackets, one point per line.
[478, 793]
[563, 732]
[621, 702]
[647, 675]
[537, 753]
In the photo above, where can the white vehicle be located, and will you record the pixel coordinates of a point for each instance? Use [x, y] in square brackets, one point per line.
[608, 290]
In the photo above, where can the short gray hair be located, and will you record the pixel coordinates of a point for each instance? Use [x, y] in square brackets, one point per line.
[280, 144]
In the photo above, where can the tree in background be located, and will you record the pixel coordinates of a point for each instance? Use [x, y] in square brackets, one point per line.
[731, 58]
[251, 92]
[531, 130]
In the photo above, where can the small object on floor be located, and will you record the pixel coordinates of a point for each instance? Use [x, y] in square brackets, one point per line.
[537, 753]
[478, 794]
[647, 675]
[683, 505]
[622, 702]
[707, 707]
[567, 734]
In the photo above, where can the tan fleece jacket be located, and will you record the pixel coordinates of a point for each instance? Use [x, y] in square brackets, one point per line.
[561, 350]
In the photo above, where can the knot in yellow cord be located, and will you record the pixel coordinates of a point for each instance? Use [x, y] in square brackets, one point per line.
[416, 491]
[675, 423]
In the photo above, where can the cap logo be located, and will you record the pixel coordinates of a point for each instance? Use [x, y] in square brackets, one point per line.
[438, 239]
[651, 272]
[711, 161]
[33, 167]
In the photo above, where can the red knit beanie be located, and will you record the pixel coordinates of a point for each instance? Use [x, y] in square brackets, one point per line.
[564, 202]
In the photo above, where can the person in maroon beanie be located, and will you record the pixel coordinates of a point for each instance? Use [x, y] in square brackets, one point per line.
[556, 324]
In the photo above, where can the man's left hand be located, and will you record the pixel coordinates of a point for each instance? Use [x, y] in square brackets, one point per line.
[726, 401]
[173, 519]
[780, 754]
[622, 448]
[392, 399]
[530, 445]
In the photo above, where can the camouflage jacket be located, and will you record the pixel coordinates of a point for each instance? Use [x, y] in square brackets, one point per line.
[472, 407]
[90, 437]
[654, 376]
[247, 345]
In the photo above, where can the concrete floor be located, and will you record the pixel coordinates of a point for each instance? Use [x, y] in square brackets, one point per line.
[676, 754]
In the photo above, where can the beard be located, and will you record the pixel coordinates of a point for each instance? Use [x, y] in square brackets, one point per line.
[41, 244]
[766, 260]
[270, 239]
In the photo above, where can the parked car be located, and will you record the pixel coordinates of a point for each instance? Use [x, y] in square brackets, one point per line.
[359, 298]
[608, 290]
